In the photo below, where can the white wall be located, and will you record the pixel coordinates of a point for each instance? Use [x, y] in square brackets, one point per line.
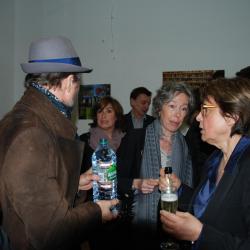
[6, 55]
[131, 42]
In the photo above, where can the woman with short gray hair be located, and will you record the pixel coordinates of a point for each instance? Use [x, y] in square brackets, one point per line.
[167, 92]
[149, 151]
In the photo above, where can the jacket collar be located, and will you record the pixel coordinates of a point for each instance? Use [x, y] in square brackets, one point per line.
[226, 182]
[46, 111]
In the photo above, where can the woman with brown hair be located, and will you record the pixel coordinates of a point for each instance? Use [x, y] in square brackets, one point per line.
[108, 124]
[219, 214]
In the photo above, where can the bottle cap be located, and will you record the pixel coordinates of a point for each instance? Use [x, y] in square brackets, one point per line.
[103, 141]
[168, 170]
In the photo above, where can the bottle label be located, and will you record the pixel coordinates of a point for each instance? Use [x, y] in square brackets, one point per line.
[111, 172]
[108, 172]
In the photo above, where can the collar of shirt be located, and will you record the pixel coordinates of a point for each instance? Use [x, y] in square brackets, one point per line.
[137, 123]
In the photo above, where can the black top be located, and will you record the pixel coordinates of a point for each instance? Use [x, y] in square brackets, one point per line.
[88, 151]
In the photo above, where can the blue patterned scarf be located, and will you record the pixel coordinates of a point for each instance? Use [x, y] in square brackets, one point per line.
[65, 110]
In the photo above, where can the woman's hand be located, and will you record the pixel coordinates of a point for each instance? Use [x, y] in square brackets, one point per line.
[183, 226]
[146, 186]
[86, 180]
[163, 183]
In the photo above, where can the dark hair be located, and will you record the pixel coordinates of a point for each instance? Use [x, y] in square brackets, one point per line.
[103, 102]
[233, 98]
[245, 72]
[138, 91]
[167, 92]
[49, 79]
[197, 106]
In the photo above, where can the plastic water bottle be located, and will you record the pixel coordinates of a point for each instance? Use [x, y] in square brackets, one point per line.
[104, 165]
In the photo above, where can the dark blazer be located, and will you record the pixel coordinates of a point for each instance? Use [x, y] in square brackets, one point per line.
[226, 220]
[128, 168]
[129, 164]
[129, 123]
[116, 228]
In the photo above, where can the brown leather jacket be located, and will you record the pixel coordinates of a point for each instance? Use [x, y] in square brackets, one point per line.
[39, 170]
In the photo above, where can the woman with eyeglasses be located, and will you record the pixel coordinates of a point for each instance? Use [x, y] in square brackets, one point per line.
[219, 216]
[143, 153]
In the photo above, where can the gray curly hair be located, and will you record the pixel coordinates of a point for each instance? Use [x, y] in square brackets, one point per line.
[167, 92]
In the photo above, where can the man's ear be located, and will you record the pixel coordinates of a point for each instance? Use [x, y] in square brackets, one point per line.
[69, 81]
[132, 102]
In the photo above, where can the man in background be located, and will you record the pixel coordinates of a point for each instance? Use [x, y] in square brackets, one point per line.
[40, 156]
[140, 100]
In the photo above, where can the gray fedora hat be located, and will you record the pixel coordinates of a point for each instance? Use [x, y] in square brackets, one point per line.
[53, 54]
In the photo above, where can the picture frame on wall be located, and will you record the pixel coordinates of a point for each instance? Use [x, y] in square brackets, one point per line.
[88, 96]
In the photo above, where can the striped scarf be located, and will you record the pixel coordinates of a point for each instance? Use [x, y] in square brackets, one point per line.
[146, 205]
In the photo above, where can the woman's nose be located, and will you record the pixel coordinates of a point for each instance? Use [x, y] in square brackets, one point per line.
[199, 117]
[104, 113]
[178, 113]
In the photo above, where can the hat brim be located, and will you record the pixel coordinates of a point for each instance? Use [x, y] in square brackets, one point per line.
[34, 68]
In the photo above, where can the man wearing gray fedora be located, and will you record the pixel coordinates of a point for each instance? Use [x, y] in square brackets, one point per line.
[41, 190]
